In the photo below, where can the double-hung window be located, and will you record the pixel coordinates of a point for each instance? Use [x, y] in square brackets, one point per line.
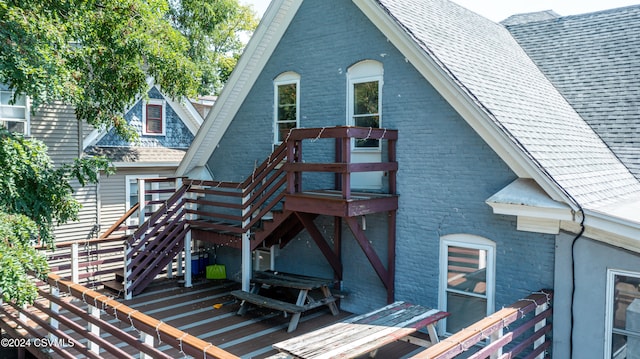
[623, 315]
[154, 117]
[467, 279]
[14, 115]
[365, 100]
[286, 107]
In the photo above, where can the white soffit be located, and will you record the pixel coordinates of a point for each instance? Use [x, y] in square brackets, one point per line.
[523, 197]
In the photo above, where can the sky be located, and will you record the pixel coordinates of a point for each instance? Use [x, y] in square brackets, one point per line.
[498, 10]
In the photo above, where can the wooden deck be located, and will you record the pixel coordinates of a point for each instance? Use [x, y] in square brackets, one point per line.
[332, 203]
[249, 336]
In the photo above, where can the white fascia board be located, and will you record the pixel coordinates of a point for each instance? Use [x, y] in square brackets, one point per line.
[181, 107]
[608, 229]
[255, 56]
[455, 94]
[92, 138]
[145, 164]
[561, 214]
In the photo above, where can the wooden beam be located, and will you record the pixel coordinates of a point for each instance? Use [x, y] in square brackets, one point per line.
[307, 221]
[375, 261]
[391, 255]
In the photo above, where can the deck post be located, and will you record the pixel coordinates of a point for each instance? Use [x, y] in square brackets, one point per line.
[246, 244]
[180, 259]
[146, 339]
[55, 308]
[492, 338]
[94, 328]
[539, 326]
[187, 260]
[75, 275]
[141, 201]
[127, 271]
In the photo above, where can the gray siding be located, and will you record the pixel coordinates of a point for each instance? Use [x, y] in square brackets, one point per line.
[113, 192]
[592, 260]
[446, 170]
[56, 125]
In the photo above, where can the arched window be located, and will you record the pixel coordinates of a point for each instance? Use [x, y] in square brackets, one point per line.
[286, 89]
[467, 279]
[365, 99]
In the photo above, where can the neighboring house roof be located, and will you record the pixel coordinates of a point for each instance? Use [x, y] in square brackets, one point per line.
[137, 156]
[478, 67]
[594, 60]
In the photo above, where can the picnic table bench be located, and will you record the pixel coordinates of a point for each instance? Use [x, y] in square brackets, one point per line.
[304, 302]
[364, 333]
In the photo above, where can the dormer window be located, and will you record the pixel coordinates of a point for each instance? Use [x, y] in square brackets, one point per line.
[154, 118]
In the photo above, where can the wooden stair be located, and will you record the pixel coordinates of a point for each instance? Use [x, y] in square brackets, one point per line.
[116, 286]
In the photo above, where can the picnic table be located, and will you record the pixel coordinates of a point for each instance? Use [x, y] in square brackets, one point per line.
[364, 334]
[304, 302]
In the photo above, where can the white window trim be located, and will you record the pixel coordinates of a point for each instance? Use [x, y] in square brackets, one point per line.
[128, 180]
[286, 78]
[364, 71]
[473, 242]
[154, 101]
[27, 113]
[610, 301]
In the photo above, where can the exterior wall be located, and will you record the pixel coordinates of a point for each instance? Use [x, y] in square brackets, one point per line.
[113, 192]
[592, 260]
[177, 134]
[56, 125]
[446, 170]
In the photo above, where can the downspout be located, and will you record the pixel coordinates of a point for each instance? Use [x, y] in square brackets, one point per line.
[573, 278]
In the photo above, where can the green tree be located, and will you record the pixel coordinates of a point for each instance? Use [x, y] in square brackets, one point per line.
[96, 55]
[214, 30]
[34, 196]
[93, 54]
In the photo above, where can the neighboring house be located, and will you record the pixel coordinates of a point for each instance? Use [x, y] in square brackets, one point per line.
[55, 125]
[498, 166]
[166, 128]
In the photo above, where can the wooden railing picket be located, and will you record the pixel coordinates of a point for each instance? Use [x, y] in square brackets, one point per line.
[496, 327]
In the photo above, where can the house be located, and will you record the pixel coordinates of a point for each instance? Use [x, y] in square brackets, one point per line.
[504, 185]
[166, 128]
[592, 60]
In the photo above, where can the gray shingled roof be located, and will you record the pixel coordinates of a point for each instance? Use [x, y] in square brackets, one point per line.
[485, 59]
[594, 60]
[138, 154]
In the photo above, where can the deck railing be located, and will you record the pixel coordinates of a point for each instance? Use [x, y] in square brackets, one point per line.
[341, 166]
[87, 262]
[527, 337]
[236, 207]
[50, 326]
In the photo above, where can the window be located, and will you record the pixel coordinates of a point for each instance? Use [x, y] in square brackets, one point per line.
[365, 100]
[287, 99]
[14, 116]
[467, 285]
[154, 117]
[623, 315]
[132, 191]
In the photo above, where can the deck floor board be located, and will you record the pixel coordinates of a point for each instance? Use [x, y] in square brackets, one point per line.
[191, 310]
